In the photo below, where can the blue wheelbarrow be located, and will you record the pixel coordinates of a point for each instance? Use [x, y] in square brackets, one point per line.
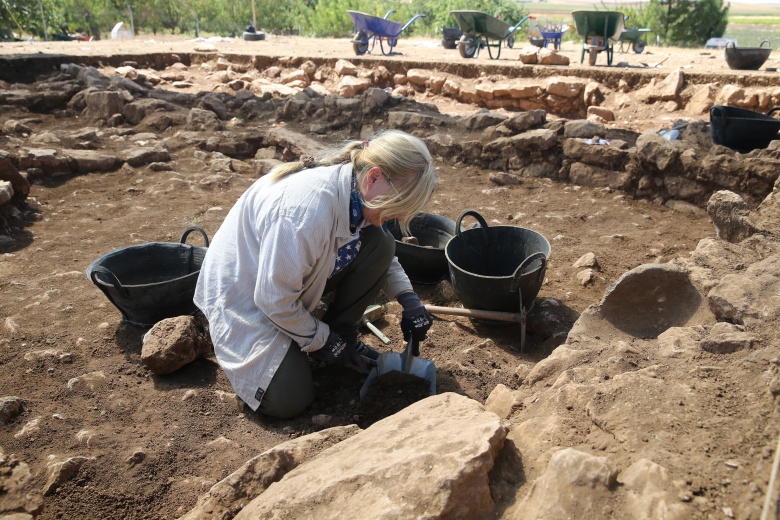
[552, 37]
[479, 29]
[369, 29]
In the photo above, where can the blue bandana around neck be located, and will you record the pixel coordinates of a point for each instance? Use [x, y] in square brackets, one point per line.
[356, 205]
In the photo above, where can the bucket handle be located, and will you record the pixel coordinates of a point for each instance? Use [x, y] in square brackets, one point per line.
[112, 279]
[767, 42]
[474, 214]
[771, 111]
[99, 269]
[190, 230]
[525, 263]
[718, 111]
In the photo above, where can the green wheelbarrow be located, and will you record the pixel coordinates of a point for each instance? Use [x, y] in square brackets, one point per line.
[599, 31]
[632, 38]
[482, 30]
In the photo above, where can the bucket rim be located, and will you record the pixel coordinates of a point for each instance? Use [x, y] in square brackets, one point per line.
[546, 254]
[97, 263]
[438, 219]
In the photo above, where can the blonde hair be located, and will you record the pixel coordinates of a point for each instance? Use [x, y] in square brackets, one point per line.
[403, 159]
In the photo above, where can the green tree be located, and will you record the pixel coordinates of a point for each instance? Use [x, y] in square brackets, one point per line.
[95, 17]
[330, 17]
[20, 18]
[686, 22]
[281, 16]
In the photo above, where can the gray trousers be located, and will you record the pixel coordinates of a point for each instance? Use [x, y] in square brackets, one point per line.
[355, 288]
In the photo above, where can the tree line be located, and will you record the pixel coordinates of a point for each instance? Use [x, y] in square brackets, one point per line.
[676, 22]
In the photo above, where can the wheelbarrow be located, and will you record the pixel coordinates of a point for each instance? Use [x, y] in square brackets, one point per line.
[482, 30]
[403, 363]
[632, 38]
[599, 31]
[552, 36]
[369, 29]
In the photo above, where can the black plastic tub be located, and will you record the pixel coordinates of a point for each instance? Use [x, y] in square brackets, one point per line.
[150, 282]
[747, 58]
[498, 268]
[741, 129]
[424, 263]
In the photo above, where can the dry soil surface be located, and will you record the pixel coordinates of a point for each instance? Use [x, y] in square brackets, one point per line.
[161, 441]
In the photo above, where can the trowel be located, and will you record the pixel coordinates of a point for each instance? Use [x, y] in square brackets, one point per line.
[405, 362]
[374, 312]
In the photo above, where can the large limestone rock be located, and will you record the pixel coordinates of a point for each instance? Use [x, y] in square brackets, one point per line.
[654, 150]
[651, 493]
[749, 298]
[731, 216]
[172, 343]
[228, 496]
[20, 492]
[20, 186]
[575, 485]
[431, 460]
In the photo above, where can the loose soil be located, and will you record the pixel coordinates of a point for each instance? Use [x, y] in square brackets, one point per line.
[161, 441]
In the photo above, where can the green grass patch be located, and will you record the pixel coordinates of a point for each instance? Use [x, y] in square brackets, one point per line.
[753, 20]
[753, 35]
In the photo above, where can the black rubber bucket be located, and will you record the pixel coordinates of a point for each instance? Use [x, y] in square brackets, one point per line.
[496, 268]
[741, 129]
[747, 58]
[152, 281]
[424, 263]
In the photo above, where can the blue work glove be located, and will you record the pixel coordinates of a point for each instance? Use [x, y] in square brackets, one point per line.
[337, 351]
[415, 320]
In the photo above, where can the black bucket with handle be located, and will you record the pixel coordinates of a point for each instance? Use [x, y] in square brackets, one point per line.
[424, 262]
[153, 281]
[741, 129]
[498, 268]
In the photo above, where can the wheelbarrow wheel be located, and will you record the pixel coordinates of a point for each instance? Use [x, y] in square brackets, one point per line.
[360, 43]
[639, 46]
[467, 46]
[510, 42]
[593, 54]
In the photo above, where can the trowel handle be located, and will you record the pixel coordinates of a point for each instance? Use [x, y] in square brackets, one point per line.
[408, 355]
[376, 331]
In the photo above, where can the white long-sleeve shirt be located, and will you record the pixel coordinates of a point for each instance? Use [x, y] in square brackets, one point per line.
[266, 268]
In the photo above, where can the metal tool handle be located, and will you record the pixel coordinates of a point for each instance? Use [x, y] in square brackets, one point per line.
[376, 331]
[408, 355]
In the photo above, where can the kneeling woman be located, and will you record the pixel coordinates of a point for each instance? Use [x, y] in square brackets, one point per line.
[307, 229]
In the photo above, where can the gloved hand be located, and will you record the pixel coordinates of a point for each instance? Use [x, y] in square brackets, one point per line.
[336, 351]
[415, 320]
